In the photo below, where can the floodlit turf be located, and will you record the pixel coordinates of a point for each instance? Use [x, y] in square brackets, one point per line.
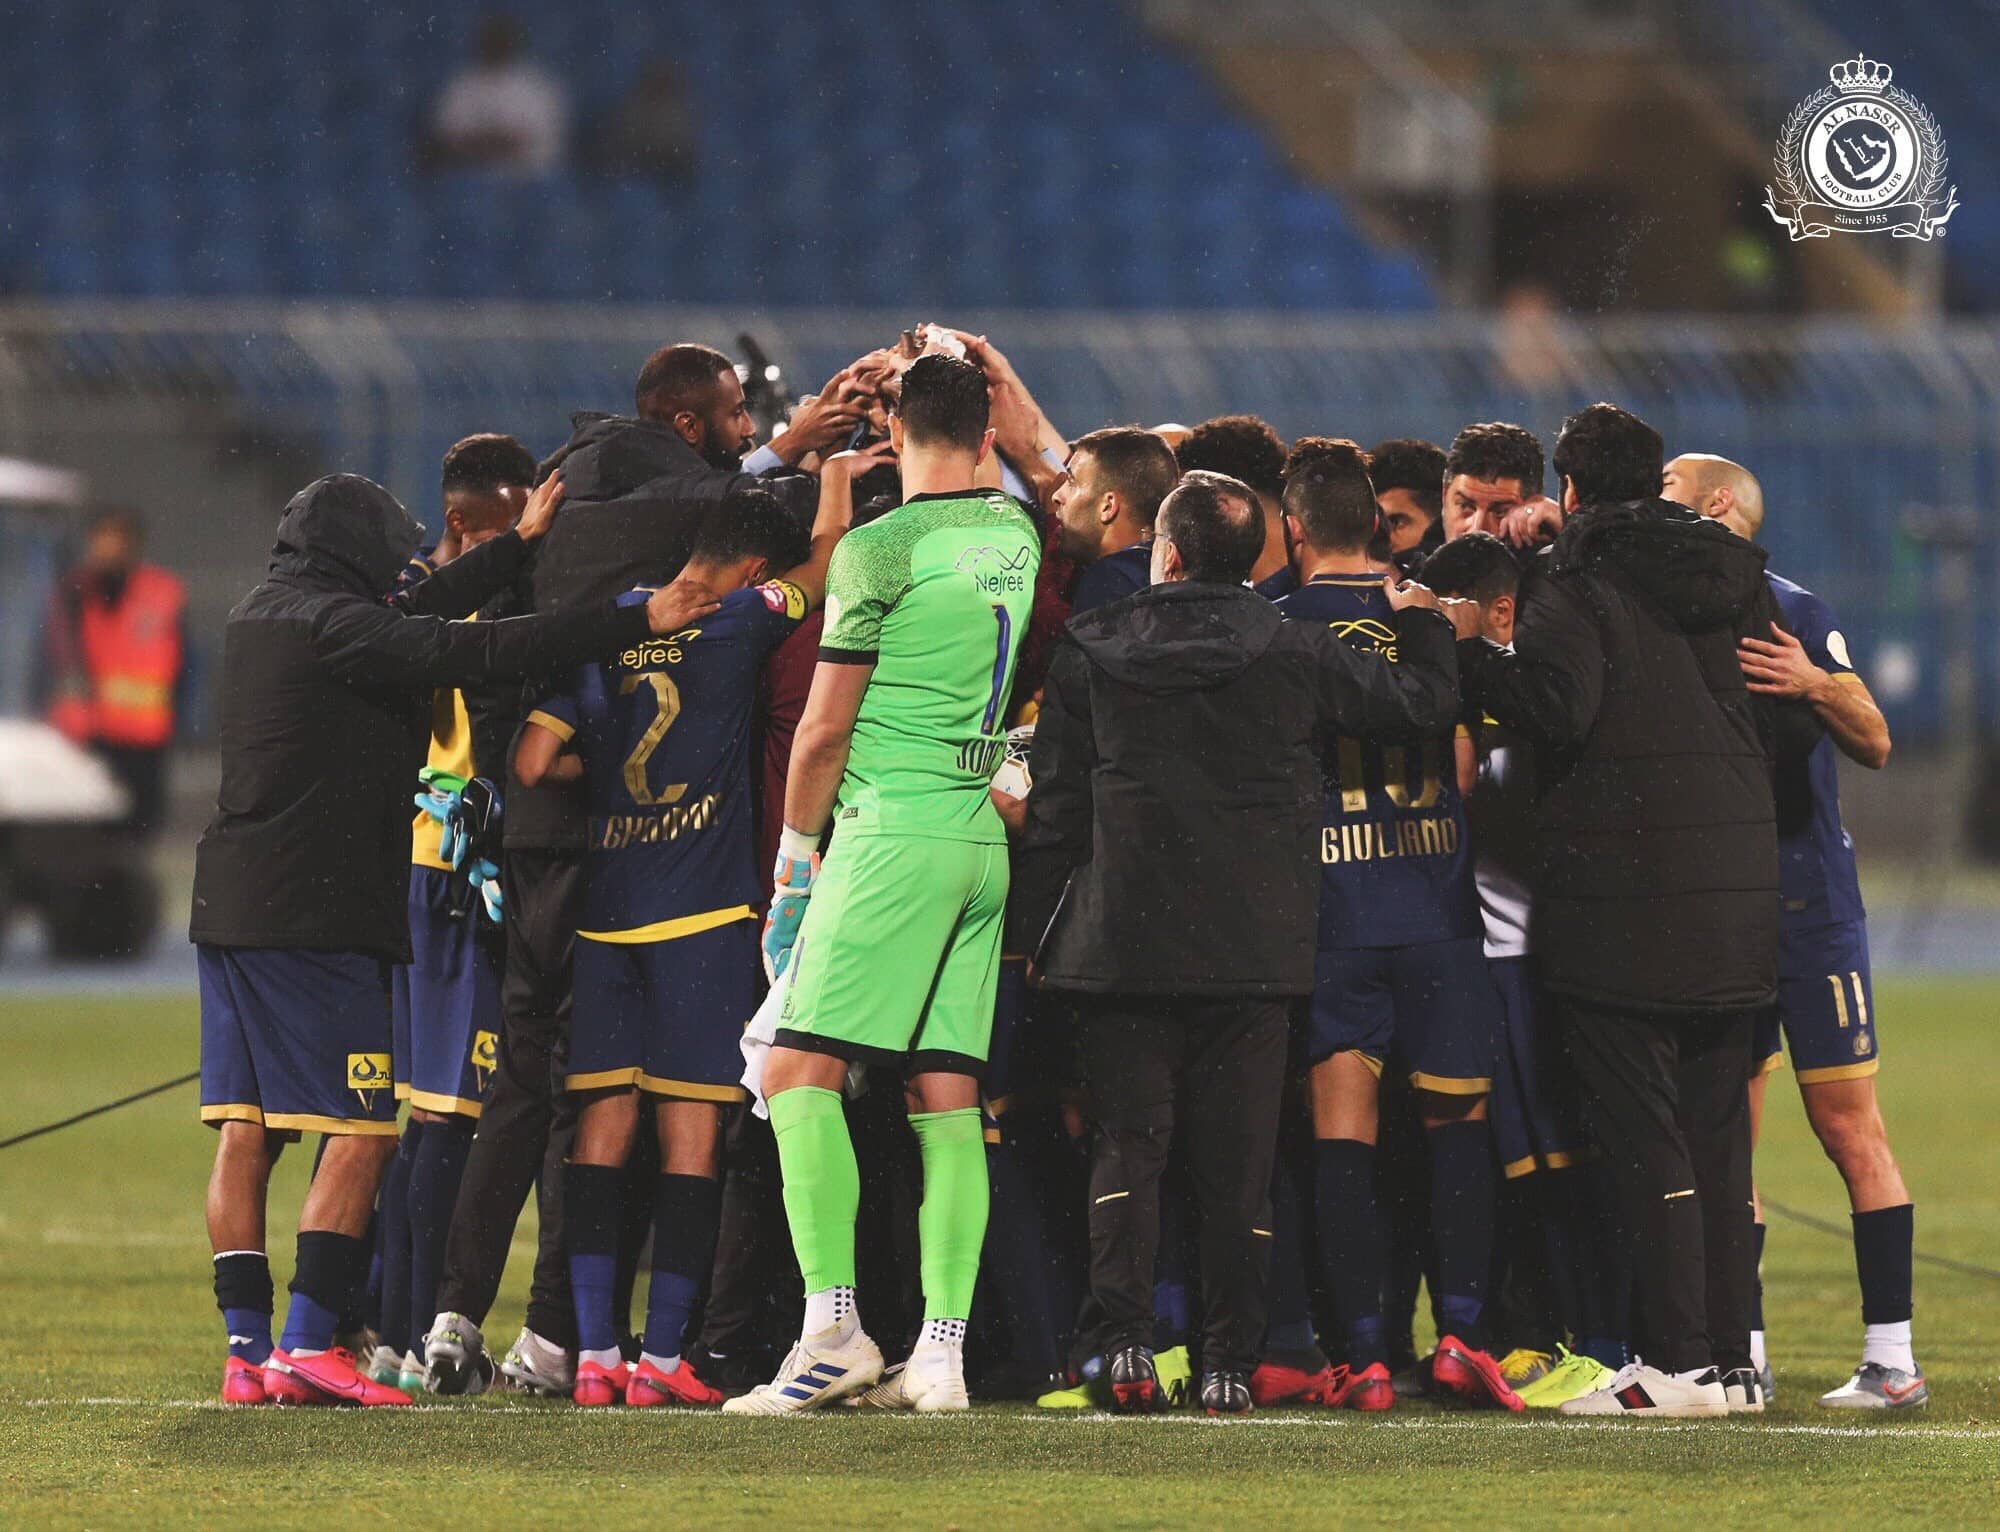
[110, 1348]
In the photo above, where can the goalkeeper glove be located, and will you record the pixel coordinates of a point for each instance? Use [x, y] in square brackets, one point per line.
[792, 879]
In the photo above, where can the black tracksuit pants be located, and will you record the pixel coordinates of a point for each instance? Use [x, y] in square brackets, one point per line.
[1215, 1070]
[529, 1120]
[1667, 1102]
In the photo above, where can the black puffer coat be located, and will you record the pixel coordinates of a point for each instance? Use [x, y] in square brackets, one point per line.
[326, 706]
[1657, 889]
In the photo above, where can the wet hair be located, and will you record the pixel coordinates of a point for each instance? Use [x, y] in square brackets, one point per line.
[1136, 463]
[1411, 463]
[1478, 565]
[1244, 447]
[751, 522]
[943, 402]
[488, 462]
[1493, 450]
[1327, 487]
[1610, 455]
[678, 377]
[1216, 524]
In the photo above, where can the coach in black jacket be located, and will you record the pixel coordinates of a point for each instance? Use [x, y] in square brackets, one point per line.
[1656, 911]
[1168, 877]
[302, 877]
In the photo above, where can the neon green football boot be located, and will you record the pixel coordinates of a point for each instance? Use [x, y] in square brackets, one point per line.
[1573, 1376]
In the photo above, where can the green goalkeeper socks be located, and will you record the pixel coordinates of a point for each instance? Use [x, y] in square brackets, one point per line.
[822, 1183]
[951, 1224]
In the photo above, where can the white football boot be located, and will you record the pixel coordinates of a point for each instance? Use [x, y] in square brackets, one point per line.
[822, 1368]
[930, 1382]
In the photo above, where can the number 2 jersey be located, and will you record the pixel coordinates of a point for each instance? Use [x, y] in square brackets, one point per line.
[936, 596]
[665, 733]
[1395, 859]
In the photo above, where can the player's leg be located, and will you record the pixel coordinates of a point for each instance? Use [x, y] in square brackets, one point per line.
[1715, 1119]
[868, 954]
[607, 1057]
[1448, 1030]
[701, 989]
[1350, 1026]
[1767, 1056]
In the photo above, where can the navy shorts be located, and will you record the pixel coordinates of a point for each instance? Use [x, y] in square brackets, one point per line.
[665, 1016]
[296, 1040]
[1532, 1084]
[1826, 1006]
[1430, 1008]
[447, 999]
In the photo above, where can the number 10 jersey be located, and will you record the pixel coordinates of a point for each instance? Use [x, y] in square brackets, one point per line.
[935, 595]
[665, 733]
[1395, 863]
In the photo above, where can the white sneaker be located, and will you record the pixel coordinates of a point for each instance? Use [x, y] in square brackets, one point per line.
[931, 1381]
[821, 1369]
[537, 1366]
[1641, 1390]
[1744, 1390]
[1875, 1387]
[455, 1359]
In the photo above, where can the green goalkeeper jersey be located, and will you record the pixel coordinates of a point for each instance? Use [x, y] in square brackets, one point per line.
[936, 596]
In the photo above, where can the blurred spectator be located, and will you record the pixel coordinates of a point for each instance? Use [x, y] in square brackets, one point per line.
[651, 131]
[501, 113]
[117, 654]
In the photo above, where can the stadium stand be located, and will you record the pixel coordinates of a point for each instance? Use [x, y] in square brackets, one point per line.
[193, 174]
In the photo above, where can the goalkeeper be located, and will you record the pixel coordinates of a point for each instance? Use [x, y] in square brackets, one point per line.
[894, 947]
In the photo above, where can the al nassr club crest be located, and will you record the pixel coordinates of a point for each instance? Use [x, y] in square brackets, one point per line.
[1861, 157]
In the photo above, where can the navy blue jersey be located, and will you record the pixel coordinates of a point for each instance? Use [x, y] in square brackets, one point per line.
[1278, 584]
[1816, 874]
[665, 732]
[1112, 578]
[1395, 859]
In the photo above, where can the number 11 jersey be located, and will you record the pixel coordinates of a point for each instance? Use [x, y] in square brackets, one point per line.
[935, 595]
[1395, 863]
[665, 734]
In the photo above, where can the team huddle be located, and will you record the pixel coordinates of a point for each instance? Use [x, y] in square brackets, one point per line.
[1248, 871]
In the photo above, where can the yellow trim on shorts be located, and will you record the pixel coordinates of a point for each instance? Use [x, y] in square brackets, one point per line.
[667, 930]
[1769, 1065]
[654, 1085]
[562, 731]
[1827, 1076]
[402, 1090]
[997, 1105]
[1374, 1064]
[1513, 1170]
[1561, 1159]
[298, 1122]
[992, 1136]
[1445, 1085]
[455, 1106]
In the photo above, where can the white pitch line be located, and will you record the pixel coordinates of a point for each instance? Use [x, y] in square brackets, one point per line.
[552, 1410]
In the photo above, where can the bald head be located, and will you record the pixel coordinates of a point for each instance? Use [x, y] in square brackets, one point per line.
[1718, 489]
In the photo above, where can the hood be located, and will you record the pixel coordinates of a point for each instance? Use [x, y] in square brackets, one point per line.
[345, 532]
[1177, 638]
[1697, 571]
[608, 456]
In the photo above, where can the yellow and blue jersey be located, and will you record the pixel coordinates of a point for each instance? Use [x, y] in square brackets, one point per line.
[1817, 880]
[1395, 859]
[665, 735]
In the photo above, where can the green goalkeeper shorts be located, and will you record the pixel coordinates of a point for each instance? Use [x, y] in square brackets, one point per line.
[898, 957]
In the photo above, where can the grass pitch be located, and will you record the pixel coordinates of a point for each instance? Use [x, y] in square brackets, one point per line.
[110, 1352]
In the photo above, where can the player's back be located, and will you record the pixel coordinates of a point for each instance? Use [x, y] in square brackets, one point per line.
[665, 732]
[1395, 858]
[1817, 878]
[936, 596]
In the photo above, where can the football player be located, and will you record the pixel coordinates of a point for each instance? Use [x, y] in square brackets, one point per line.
[665, 960]
[1826, 1004]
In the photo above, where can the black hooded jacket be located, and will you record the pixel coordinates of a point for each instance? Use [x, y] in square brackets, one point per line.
[1172, 840]
[326, 704]
[1657, 889]
[634, 497]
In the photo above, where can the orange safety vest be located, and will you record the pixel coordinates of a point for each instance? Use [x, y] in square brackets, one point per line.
[130, 657]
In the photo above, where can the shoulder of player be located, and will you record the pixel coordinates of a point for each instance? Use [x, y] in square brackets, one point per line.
[1795, 601]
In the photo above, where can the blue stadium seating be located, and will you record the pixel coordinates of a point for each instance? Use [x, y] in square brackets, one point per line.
[1046, 152]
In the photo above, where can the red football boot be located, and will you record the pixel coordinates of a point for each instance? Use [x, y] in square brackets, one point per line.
[1275, 1383]
[599, 1387]
[1368, 1389]
[649, 1386]
[242, 1382]
[329, 1378]
[1470, 1376]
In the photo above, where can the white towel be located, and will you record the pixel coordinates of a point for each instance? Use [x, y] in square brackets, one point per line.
[757, 1040]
